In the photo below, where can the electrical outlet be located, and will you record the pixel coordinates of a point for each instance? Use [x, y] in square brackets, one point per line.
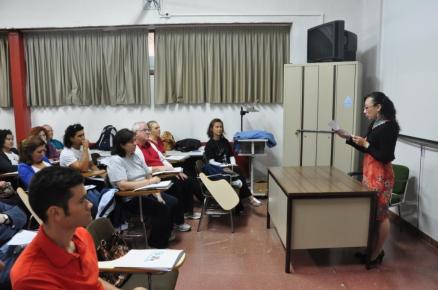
[151, 4]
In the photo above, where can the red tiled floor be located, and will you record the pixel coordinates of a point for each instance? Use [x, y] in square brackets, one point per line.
[253, 258]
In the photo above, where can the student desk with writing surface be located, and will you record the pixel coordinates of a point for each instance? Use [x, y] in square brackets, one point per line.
[319, 207]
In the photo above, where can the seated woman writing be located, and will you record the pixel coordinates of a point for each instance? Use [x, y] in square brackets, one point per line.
[128, 172]
[218, 152]
[32, 159]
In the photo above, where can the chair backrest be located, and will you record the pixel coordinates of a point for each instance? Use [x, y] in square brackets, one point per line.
[100, 229]
[25, 199]
[221, 191]
[401, 177]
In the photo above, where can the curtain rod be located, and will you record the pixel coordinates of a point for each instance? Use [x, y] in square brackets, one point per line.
[153, 26]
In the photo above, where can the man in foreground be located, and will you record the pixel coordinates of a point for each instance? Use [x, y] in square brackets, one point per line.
[62, 255]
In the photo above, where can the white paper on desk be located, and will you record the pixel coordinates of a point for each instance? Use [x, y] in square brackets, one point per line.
[152, 259]
[96, 179]
[88, 187]
[23, 237]
[170, 170]
[176, 157]
[160, 185]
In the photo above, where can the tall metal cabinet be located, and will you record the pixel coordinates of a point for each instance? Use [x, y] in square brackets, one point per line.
[314, 94]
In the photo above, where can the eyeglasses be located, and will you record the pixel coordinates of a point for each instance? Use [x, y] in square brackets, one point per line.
[145, 130]
[366, 108]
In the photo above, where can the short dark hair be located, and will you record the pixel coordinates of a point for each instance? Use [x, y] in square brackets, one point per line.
[387, 106]
[70, 132]
[122, 137]
[210, 127]
[52, 186]
[28, 146]
[3, 134]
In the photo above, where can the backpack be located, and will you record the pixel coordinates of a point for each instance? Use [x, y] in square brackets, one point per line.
[186, 145]
[106, 139]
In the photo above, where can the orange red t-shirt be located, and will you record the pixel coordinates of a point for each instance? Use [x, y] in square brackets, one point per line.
[45, 265]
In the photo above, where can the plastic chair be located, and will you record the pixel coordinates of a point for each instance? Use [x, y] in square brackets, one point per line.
[102, 229]
[401, 184]
[221, 193]
[25, 199]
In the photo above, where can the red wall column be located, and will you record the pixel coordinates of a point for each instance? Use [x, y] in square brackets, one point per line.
[18, 81]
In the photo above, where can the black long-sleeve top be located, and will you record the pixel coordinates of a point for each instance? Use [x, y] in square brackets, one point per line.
[5, 163]
[219, 150]
[382, 140]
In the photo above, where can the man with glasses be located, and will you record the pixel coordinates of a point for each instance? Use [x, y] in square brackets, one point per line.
[183, 187]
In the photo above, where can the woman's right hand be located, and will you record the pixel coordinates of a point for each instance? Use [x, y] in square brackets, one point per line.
[154, 180]
[343, 133]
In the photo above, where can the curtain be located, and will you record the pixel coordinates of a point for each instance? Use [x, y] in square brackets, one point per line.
[87, 68]
[5, 98]
[228, 64]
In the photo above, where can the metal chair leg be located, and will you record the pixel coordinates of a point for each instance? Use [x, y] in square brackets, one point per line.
[204, 206]
[140, 205]
[232, 221]
[399, 214]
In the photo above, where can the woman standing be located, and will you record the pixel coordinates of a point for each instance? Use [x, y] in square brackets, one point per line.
[8, 154]
[378, 146]
[218, 151]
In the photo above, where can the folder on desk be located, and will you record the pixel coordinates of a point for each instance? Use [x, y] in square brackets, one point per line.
[160, 185]
[151, 259]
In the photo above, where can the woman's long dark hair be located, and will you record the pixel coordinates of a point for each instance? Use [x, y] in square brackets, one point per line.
[387, 106]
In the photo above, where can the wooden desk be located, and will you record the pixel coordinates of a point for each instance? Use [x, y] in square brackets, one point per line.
[106, 267]
[319, 207]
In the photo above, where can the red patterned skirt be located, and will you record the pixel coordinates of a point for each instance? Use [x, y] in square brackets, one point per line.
[379, 177]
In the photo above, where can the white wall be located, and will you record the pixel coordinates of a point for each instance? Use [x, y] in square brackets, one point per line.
[408, 75]
[191, 121]
[7, 119]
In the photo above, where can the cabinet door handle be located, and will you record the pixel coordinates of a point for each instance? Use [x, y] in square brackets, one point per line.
[300, 131]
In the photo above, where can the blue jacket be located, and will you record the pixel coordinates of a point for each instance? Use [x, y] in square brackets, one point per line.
[254, 134]
[18, 220]
[26, 172]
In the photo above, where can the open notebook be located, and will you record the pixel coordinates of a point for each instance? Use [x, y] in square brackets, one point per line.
[151, 259]
[160, 185]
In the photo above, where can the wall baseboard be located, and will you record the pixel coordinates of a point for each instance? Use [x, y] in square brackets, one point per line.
[414, 230]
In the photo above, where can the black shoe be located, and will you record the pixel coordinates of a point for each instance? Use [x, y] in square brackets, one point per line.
[377, 261]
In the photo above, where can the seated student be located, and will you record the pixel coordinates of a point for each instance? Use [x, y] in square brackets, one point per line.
[218, 151]
[32, 159]
[12, 219]
[128, 172]
[8, 154]
[62, 255]
[76, 153]
[55, 143]
[39, 131]
[184, 187]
